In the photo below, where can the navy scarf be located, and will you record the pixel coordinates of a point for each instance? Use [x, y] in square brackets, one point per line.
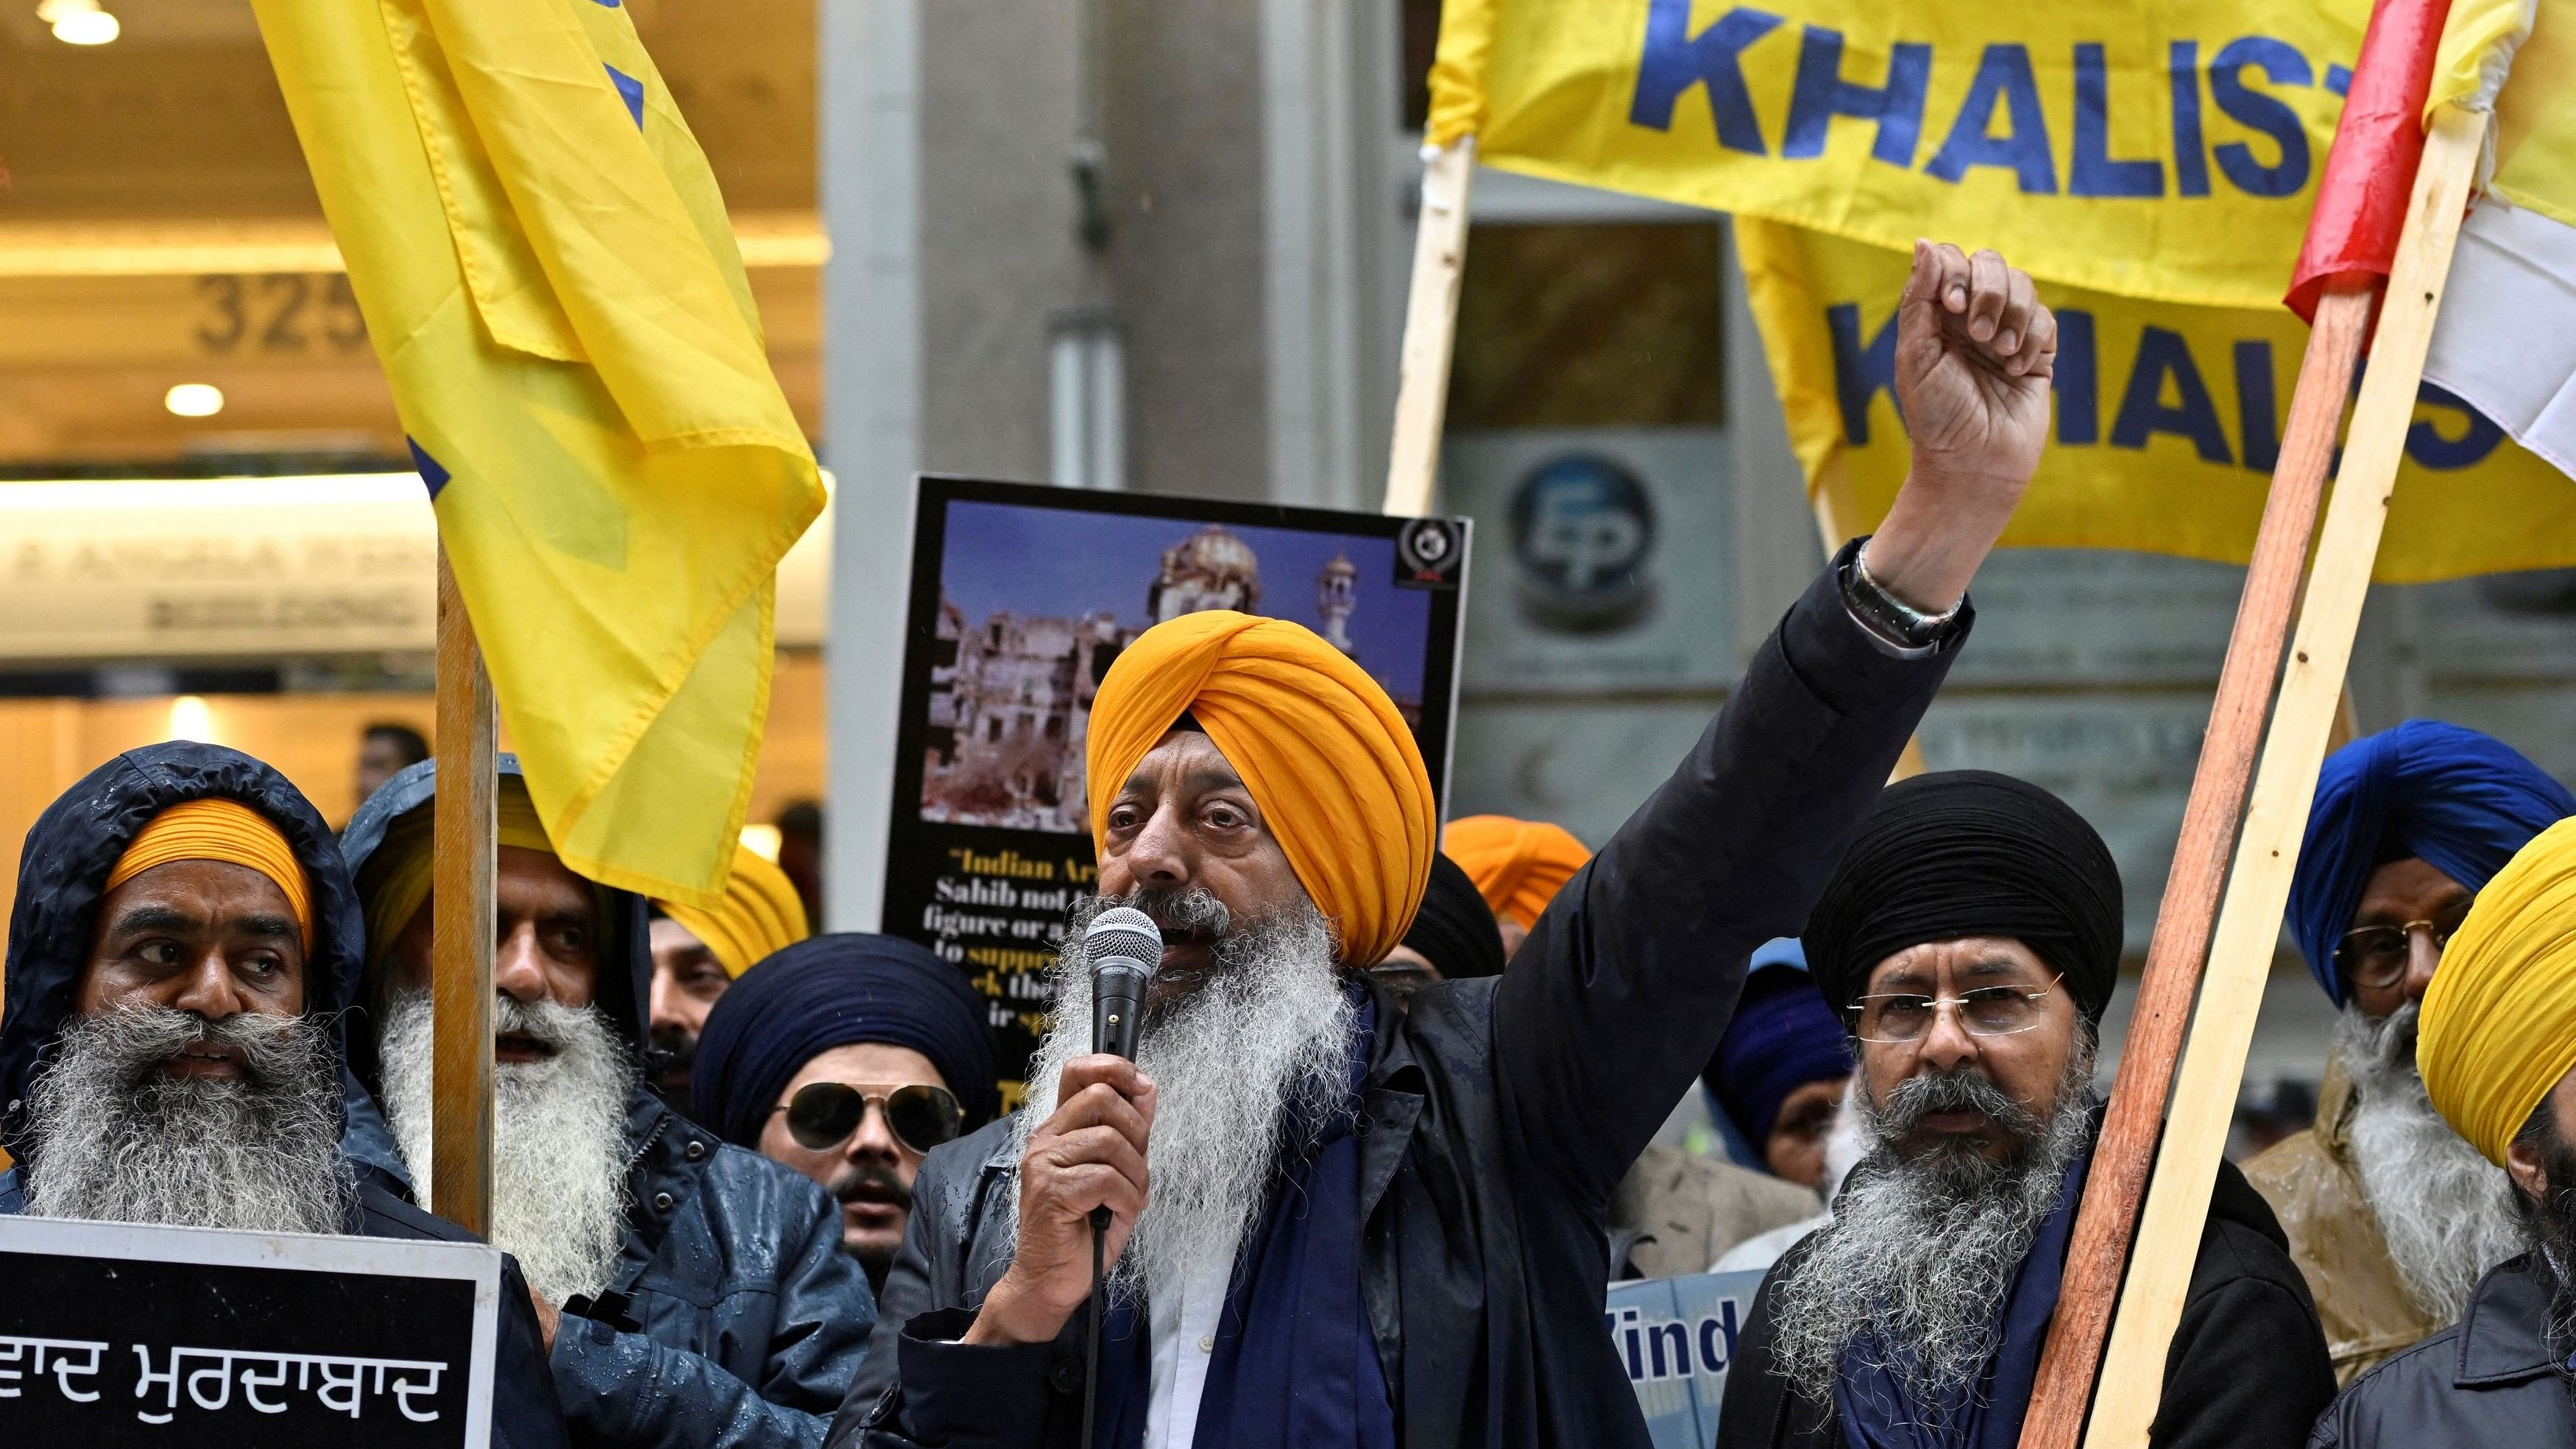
[1879, 1412]
[1295, 1361]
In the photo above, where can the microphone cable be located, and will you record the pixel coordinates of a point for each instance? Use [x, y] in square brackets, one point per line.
[1091, 1348]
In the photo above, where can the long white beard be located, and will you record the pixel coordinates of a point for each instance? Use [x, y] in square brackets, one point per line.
[559, 1153]
[2448, 1214]
[119, 1140]
[1268, 1032]
[1920, 1253]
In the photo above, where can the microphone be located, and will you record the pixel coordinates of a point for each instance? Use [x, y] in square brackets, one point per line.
[1124, 946]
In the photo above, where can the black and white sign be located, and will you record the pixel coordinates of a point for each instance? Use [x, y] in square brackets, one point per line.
[117, 1334]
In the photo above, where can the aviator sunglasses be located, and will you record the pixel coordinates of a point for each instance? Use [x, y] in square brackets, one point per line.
[824, 1114]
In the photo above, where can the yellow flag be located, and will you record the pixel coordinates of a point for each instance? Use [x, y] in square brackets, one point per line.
[548, 276]
[2168, 420]
[2168, 150]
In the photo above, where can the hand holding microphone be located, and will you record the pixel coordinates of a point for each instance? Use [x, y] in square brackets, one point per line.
[1086, 1163]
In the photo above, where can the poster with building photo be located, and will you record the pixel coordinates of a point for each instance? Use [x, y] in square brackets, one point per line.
[1022, 596]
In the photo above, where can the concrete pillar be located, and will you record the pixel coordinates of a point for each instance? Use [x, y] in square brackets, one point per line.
[869, 62]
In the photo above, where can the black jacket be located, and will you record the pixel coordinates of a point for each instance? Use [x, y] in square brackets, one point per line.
[2247, 1370]
[2486, 1382]
[734, 1319]
[68, 855]
[1499, 1114]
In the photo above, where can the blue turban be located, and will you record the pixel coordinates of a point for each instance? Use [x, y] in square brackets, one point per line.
[2460, 801]
[1783, 1037]
[833, 991]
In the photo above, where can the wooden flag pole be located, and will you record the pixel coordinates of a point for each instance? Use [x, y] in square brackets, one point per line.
[2203, 1097]
[2258, 890]
[1430, 328]
[464, 829]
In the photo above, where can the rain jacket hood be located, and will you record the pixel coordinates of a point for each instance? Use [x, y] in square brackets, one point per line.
[625, 985]
[64, 868]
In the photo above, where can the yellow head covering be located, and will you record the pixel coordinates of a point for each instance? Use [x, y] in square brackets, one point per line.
[1323, 751]
[396, 880]
[1518, 865]
[761, 913]
[224, 830]
[2499, 1022]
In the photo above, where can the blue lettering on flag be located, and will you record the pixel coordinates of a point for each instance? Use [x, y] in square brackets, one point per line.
[2259, 112]
[430, 473]
[2339, 79]
[1675, 60]
[2191, 156]
[2003, 75]
[630, 90]
[2093, 172]
[2478, 436]
[2256, 406]
[2144, 411]
[2077, 379]
[1821, 93]
[1859, 372]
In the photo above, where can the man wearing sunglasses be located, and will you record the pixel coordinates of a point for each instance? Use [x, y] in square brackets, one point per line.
[848, 1057]
[2391, 1214]
[1334, 1225]
[1972, 937]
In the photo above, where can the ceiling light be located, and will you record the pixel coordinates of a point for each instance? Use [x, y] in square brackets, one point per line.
[192, 719]
[194, 400]
[78, 22]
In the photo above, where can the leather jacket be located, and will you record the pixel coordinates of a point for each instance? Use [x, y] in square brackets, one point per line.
[2488, 1381]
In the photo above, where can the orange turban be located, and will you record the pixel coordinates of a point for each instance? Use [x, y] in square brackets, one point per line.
[1323, 751]
[224, 830]
[760, 913]
[1518, 865]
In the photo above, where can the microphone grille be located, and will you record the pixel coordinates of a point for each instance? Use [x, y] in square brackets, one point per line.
[1123, 933]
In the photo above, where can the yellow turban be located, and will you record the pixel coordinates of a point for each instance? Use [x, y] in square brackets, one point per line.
[2499, 1022]
[1518, 865]
[1323, 751]
[224, 830]
[761, 913]
[396, 881]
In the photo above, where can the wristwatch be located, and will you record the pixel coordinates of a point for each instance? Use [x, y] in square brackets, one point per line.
[1903, 627]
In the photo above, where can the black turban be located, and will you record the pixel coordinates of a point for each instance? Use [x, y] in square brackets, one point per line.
[1455, 929]
[833, 991]
[1970, 853]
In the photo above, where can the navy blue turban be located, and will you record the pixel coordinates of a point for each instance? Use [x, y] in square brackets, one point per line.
[832, 991]
[2459, 801]
[1783, 1037]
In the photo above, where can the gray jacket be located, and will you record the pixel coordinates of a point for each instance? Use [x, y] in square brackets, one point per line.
[734, 1319]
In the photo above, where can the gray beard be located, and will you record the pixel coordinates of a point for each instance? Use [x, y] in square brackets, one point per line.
[2448, 1214]
[1914, 1267]
[559, 1154]
[1269, 1031]
[119, 1140]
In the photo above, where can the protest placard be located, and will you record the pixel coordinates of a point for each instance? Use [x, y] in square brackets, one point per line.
[111, 1332]
[1021, 597]
[1676, 1338]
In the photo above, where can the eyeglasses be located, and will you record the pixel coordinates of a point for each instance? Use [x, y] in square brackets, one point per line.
[1987, 1011]
[823, 1114]
[2377, 956]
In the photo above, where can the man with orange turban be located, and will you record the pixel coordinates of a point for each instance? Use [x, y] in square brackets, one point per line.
[1334, 1225]
[182, 958]
[1517, 865]
[2496, 1044]
[699, 950]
